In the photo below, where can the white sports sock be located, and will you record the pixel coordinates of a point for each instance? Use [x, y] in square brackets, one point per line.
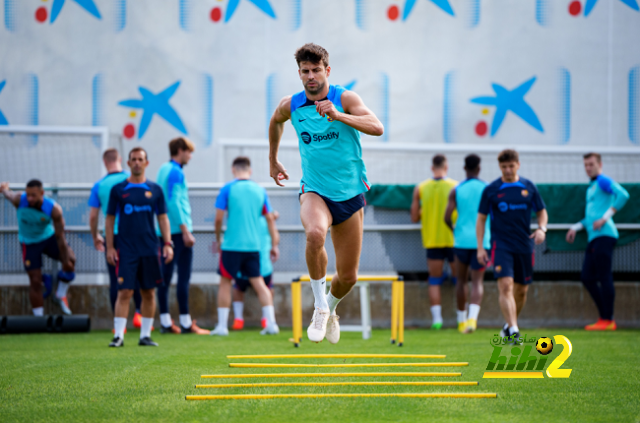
[145, 330]
[62, 289]
[333, 302]
[474, 310]
[462, 316]
[165, 320]
[223, 317]
[436, 313]
[270, 314]
[185, 321]
[119, 324]
[318, 287]
[513, 329]
[238, 309]
[38, 311]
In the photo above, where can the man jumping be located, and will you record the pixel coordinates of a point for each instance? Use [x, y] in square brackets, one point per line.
[328, 120]
[41, 231]
[604, 198]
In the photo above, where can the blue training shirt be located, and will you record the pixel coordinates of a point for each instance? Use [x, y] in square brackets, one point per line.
[603, 193]
[509, 204]
[135, 206]
[34, 224]
[174, 185]
[468, 194]
[331, 152]
[99, 197]
[246, 202]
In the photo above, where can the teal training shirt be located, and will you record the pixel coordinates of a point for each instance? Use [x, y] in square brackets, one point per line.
[34, 224]
[266, 266]
[246, 203]
[99, 197]
[603, 193]
[174, 186]
[468, 194]
[331, 152]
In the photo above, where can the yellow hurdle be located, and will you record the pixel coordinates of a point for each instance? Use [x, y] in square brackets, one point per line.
[280, 385]
[270, 365]
[367, 374]
[274, 396]
[394, 311]
[339, 356]
[400, 313]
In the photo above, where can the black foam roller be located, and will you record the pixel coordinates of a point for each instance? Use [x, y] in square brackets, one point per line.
[75, 323]
[27, 324]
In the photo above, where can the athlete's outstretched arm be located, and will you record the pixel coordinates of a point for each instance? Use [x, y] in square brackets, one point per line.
[165, 230]
[415, 205]
[12, 196]
[66, 254]
[356, 115]
[483, 257]
[451, 206]
[275, 236]
[276, 127]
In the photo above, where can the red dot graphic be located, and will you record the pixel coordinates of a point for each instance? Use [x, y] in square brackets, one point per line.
[216, 14]
[575, 7]
[129, 131]
[393, 12]
[41, 14]
[481, 128]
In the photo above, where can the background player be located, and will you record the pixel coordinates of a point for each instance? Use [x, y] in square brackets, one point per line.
[137, 259]
[41, 231]
[98, 201]
[174, 186]
[268, 256]
[465, 199]
[604, 198]
[510, 200]
[245, 201]
[328, 120]
[429, 203]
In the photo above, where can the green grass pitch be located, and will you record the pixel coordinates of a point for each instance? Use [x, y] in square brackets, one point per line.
[75, 377]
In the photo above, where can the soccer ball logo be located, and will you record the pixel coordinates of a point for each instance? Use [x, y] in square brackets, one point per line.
[544, 345]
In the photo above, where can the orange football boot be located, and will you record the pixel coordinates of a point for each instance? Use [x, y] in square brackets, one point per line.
[237, 324]
[601, 324]
[263, 322]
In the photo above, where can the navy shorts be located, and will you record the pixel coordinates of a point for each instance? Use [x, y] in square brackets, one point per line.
[468, 257]
[241, 284]
[518, 266]
[135, 272]
[343, 210]
[232, 262]
[440, 254]
[32, 253]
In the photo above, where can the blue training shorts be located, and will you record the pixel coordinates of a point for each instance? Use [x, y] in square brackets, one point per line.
[135, 272]
[440, 254]
[242, 284]
[32, 253]
[246, 263]
[468, 257]
[518, 266]
[342, 210]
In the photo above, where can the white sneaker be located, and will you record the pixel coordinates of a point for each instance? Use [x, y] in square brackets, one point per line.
[333, 329]
[220, 331]
[318, 327]
[270, 330]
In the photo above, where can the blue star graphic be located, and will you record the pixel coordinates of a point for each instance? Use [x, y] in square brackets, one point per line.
[155, 104]
[261, 4]
[442, 4]
[87, 5]
[3, 120]
[513, 101]
[588, 7]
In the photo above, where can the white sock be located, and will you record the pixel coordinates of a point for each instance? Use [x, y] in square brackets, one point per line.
[513, 329]
[165, 320]
[474, 310]
[270, 314]
[318, 287]
[145, 330]
[119, 324]
[436, 313]
[62, 289]
[333, 302]
[238, 309]
[462, 316]
[38, 311]
[185, 321]
[223, 317]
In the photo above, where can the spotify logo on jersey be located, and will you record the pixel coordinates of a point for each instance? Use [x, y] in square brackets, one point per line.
[306, 138]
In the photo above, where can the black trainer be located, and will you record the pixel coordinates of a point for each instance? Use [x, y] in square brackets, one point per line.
[505, 330]
[147, 342]
[117, 342]
[165, 329]
[514, 336]
[185, 330]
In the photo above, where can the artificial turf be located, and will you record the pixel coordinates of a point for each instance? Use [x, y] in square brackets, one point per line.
[75, 377]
